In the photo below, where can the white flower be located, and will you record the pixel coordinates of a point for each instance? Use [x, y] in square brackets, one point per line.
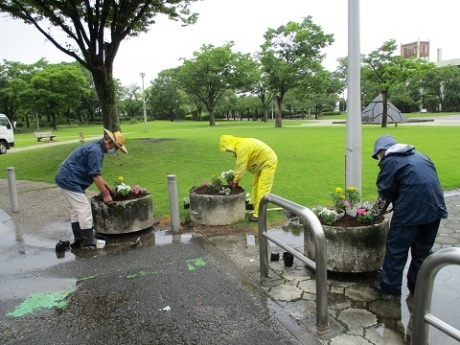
[123, 189]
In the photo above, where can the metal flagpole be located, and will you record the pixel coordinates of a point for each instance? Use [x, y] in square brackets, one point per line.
[353, 153]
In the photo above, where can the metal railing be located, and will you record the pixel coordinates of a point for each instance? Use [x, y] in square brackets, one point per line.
[319, 265]
[424, 293]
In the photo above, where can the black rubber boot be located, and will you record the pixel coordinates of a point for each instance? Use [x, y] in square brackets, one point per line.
[88, 238]
[78, 237]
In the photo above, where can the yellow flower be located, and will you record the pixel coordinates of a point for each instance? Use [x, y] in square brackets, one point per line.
[120, 178]
[351, 188]
[338, 190]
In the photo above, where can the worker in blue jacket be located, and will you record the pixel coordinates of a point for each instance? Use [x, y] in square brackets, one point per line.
[408, 179]
[77, 172]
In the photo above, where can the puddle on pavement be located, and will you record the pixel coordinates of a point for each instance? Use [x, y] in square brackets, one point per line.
[394, 315]
[290, 234]
[26, 252]
[163, 237]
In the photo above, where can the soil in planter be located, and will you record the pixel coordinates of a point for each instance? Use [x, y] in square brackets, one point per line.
[206, 190]
[347, 221]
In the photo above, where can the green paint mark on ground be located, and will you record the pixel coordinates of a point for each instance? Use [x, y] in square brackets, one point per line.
[141, 274]
[47, 300]
[192, 264]
[85, 278]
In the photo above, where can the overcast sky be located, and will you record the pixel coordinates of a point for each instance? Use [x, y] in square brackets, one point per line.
[245, 22]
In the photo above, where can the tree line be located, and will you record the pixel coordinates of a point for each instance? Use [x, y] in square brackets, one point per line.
[286, 77]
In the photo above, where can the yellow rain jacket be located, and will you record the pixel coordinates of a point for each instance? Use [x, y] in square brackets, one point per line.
[256, 157]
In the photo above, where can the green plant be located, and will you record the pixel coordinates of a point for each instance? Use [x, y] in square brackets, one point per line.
[122, 190]
[327, 216]
[352, 196]
[338, 198]
[364, 213]
[228, 176]
[222, 183]
[345, 199]
[216, 183]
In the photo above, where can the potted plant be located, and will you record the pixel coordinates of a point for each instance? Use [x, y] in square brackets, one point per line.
[131, 211]
[216, 202]
[346, 200]
[354, 244]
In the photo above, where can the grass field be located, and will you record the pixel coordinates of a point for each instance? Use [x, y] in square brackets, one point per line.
[311, 158]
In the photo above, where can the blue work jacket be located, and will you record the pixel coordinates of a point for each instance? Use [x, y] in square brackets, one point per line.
[408, 179]
[76, 172]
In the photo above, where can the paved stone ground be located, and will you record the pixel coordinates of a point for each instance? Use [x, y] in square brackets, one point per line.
[357, 313]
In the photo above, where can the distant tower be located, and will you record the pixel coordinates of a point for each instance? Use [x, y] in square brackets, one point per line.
[419, 49]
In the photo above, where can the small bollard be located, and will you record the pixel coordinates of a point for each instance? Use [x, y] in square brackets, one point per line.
[12, 189]
[173, 203]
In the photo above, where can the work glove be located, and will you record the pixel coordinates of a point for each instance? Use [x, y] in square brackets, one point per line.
[107, 197]
[234, 185]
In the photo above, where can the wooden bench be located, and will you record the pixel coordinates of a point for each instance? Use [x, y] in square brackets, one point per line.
[41, 135]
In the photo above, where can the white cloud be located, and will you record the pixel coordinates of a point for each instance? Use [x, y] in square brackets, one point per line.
[245, 22]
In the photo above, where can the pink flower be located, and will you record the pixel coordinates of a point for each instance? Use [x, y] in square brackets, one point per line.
[136, 189]
[361, 211]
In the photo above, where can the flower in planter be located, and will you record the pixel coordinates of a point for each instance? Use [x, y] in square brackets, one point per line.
[345, 199]
[364, 213]
[186, 202]
[220, 184]
[124, 191]
[327, 216]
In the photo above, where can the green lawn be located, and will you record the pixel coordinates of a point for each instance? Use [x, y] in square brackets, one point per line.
[311, 158]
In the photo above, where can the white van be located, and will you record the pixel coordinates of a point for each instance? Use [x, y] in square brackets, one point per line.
[6, 134]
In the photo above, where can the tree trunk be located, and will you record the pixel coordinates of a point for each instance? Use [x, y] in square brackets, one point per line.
[277, 111]
[384, 109]
[103, 82]
[54, 122]
[212, 118]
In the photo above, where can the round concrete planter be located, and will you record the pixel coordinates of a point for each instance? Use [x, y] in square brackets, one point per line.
[123, 216]
[217, 209]
[352, 249]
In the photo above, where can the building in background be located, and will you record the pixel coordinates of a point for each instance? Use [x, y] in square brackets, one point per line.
[421, 49]
[418, 49]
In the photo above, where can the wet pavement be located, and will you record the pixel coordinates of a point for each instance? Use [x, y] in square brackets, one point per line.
[155, 287]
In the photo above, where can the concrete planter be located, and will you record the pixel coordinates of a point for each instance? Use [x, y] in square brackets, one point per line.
[217, 209]
[352, 249]
[123, 216]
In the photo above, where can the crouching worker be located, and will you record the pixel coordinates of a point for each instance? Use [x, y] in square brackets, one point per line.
[409, 180]
[76, 173]
[256, 157]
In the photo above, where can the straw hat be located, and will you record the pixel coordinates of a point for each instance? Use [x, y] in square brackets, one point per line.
[118, 139]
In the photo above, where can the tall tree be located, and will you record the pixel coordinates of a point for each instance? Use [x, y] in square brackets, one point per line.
[259, 88]
[212, 72]
[14, 84]
[58, 89]
[290, 55]
[443, 85]
[384, 69]
[93, 32]
[131, 101]
[165, 98]
[322, 91]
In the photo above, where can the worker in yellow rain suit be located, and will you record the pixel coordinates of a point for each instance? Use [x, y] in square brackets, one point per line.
[256, 157]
